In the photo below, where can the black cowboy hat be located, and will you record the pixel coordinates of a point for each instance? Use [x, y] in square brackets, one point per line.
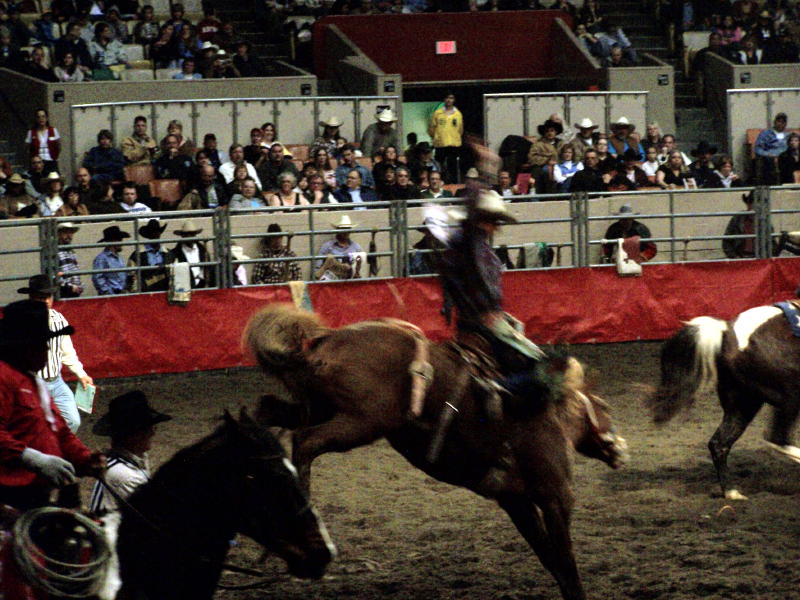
[28, 321]
[113, 234]
[631, 154]
[127, 414]
[38, 284]
[748, 198]
[152, 231]
[550, 123]
[703, 148]
[274, 228]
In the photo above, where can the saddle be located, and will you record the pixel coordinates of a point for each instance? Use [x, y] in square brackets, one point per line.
[474, 351]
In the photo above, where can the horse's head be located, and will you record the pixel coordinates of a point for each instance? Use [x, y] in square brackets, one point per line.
[592, 431]
[275, 511]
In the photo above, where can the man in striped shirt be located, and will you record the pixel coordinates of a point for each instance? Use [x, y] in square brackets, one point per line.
[71, 286]
[60, 351]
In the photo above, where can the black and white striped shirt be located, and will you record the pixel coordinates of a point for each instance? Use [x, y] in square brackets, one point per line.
[60, 351]
[125, 473]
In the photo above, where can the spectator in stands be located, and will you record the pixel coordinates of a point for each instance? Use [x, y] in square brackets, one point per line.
[723, 176]
[271, 246]
[147, 28]
[105, 202]
[44, 141]
[383, 186]
[287, 193]
[628, 227]
[590, 15]
[187, 43]
[72, 207]
[245, 63]
[50, 201]
[353, 191]
[15, 198]
[118, 26]
[770, 144]
[188, 70]
[729, 31]
[186, 146]
[217, 157]
[172, 164]
[472, 183]
[349, 163]
[176, 19]
[37, 66]
[269, 134]
[106, 52]
[652, 138]
[629, 175]
[248, 196]
[741, 224]
[20, 34]
[221, 67]
[72, 42]
[43, 28]
[342, 260]
[68, 70]
[64, 10]
[584, 138]
[403, 188]
[70, 285]
[388, 160]
[421, 162]
[240, 173]
[446, 128]
[436, 186]
[673, 174]
[193, 252]
[9, 53]
[88, 190]
[668, 145]
[651, 164]
[563, 171]
[591, 178]
[105, 162]
[783, 49]
[152, 280]
[208, 193]
[423, 260]
[789, 160]
[86, 27]
[330, 138]
[209, 25]
[702, 168]
[745, 12]
[139, 148]
[130, 200]
[764, 29]
[617, 59]
[113, 282]
[544, 152]
[377, 136]
[164, 50]
[322, 164]
[252, 152]
[750, 53]
[620, 140]
[274, 165]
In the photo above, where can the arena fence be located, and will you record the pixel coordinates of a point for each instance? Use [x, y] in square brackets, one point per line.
[686, 226]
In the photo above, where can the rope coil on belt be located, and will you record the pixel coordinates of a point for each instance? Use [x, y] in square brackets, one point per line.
[57, 577]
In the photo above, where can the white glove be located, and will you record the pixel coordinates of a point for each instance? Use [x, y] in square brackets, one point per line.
[57, 470]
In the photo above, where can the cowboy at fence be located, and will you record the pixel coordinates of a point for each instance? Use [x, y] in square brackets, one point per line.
[343, 257]
[110, 282]
[380, 134]
[70, 285]
[272, 246]
[744, 224]
[60, 351]
[632, 231]
[38, 452]
[153, 255]
[193, 252]
[130, 422]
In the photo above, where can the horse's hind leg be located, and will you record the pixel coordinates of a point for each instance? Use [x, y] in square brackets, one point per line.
[739, 412]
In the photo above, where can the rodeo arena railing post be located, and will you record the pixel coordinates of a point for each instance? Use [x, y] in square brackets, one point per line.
[563, 230]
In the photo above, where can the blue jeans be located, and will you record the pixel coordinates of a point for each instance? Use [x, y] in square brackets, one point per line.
[65, 402]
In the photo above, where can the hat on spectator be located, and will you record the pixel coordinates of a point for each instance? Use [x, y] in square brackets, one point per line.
[68, 226]
[128, 414]
[748, 198]
[209, 46]
[113, 234]
[386, 116]
[274, 228]
[586, 123]
[152, 231]
[344, 223]
[472, 173]
[38, 284]
[623, 122]
[631, 154]
[188, 229]
[704, 148]
[238, 253]
[28, 321]
[221, 52]
[113, 8]
[53, 176]
[764, 14]
[549, 123]
[781, 116]
[16, 178]
[626, 210]
[331, 121]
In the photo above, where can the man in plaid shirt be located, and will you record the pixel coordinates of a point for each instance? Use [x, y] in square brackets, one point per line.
[278, 271]
[71, 286]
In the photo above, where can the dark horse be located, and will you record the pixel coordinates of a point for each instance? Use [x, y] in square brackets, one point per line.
[177, 530]
[350, 387]
[751, 361]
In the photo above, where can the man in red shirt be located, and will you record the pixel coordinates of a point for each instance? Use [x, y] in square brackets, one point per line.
[38, 452]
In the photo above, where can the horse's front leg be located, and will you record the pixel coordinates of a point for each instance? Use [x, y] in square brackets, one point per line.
[546, 529]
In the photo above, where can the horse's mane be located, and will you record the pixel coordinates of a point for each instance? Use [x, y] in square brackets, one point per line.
[277, 335]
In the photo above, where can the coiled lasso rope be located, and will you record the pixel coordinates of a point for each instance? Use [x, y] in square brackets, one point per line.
[66, 580]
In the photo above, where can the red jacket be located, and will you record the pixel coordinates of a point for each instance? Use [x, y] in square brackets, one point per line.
[23, 424]
[53, 145]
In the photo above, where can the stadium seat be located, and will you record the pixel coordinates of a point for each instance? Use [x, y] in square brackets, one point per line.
[298, 151]
[168, 191]
[134, 51]
[141, 64]
[166, 73]
[142, 174]
[136, 75]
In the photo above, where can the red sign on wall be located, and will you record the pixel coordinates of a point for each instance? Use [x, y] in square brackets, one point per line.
[448, 47]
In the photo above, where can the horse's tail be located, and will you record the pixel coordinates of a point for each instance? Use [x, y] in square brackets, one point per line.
[276, 336]
[688, 366]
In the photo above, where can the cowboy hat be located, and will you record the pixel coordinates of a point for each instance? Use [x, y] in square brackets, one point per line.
[28, 321]
[38, 284]
[764, 14]
[344, 223]
[113, 234]
[331, 121]
[623, 122]
[16, 178]
[586, 123]
[188, 229]
[128, 413]
[548, 124]
[631, 154]
[703, 148]
[490, 207]
[626, 209]
[238, 253]
[472, 173]
[274, 228]
[386, 116]
[209, 46]
[748, 198]
[152, 231]
[67, 225]
[53, 176]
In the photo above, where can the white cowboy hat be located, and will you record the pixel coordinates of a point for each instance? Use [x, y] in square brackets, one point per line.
[386, 116]
[67, 225]
[238, 253]
[188, 229]
[586, 123]
[331, 121]
[623, 121]
[209, 46]
[344, 223]
[489, 206]
[626, 209]
[472, 173]
[53, 176]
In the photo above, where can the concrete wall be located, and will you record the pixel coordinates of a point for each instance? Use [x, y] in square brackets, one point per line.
[352, 72]
[658, 79]
[576, 68]
[20, 96]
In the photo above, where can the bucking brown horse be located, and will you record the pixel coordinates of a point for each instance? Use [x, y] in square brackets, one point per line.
[352, 386]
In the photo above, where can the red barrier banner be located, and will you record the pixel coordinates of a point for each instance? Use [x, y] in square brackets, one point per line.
[139, 334]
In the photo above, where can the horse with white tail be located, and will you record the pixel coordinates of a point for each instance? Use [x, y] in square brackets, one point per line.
[751, 360]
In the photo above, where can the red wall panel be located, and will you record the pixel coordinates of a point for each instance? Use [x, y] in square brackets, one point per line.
[490, 45]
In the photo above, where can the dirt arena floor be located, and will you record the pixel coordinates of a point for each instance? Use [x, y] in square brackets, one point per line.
[651, 531]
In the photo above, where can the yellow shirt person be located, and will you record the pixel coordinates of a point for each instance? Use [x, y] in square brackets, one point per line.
[447, 125]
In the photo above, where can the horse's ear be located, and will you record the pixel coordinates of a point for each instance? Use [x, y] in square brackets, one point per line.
[229, 420]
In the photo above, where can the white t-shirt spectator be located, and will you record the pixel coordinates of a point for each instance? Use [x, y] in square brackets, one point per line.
[137, 207]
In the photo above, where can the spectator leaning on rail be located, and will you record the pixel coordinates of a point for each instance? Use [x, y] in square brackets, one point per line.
[744, 224]
[193, 252]
[770, 144]
[105, 162]
[273, 247]
[60, 351]
[342, 255]
[152, 280]
[70, 285]
[628, 227]
[113, 282]
[38, 452]
[139, 148]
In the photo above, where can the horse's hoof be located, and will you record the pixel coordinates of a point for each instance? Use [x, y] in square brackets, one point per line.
[792, 452]
[734, 495]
